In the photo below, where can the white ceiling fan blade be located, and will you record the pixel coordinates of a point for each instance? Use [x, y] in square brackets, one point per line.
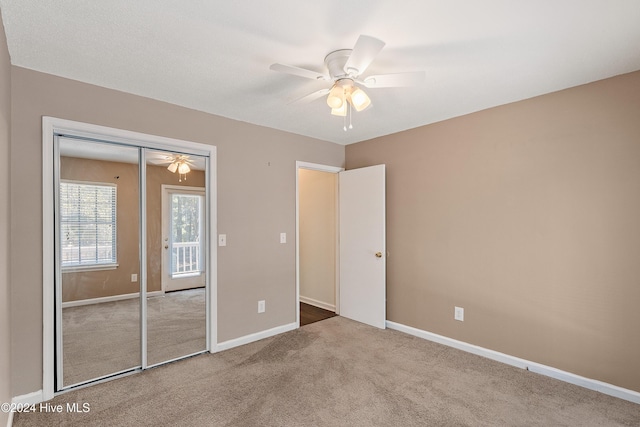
[363, 53]
[311, 97]
[296, 71]
[157, 158]
[412, 78]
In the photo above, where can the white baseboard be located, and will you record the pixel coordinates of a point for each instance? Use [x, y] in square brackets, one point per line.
[226, 345]
[29, 398]
[319, 304]
[25, 399]
[538, 368]
[108, 299]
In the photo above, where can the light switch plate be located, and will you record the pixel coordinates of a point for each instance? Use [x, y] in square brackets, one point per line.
[283, 237]
[222, 240]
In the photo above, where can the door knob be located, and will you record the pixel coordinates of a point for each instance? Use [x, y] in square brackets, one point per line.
[379, 254]
[166, 246]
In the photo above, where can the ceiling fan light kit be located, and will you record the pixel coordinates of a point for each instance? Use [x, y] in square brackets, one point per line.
[180, 164]
[345, 91]
[345, 67]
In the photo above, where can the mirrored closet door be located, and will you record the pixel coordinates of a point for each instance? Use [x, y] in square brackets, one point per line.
[131, 251]
[176, 254]
[98, 260]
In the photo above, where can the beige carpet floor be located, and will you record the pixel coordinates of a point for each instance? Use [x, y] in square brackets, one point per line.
[100, 339]
[338, 373]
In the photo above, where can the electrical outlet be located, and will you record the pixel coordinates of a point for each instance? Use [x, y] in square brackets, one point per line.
[458, 314]
[261, 306]
[134, 277]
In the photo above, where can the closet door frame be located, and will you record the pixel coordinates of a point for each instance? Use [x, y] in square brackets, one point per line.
[51, 127]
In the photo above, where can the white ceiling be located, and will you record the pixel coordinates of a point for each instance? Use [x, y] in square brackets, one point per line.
[214, 56]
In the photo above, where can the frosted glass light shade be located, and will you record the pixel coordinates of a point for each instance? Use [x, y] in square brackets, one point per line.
[184, 168]
[359, 99]
[342, 111]
[336, 97]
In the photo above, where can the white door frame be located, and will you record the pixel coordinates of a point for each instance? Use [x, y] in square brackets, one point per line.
[167, 189]
[51, 126]
[321, 168]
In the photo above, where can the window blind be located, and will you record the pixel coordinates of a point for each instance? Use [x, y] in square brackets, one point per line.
[87, 224]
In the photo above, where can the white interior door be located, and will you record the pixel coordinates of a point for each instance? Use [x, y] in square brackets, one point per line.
[362, 245]
[183, 237]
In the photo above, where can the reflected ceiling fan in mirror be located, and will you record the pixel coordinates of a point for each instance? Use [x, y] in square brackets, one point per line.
[345, 70]
[181, 164]
[175, 163]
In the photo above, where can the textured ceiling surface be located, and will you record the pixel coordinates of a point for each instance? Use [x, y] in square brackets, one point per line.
[214, 56]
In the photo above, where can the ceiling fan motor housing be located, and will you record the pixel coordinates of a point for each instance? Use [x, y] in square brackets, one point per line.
[335, 62]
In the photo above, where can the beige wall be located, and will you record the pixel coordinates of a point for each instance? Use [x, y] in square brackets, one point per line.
[527, 216]
[5, 224]
[317, 213]
[256, 173]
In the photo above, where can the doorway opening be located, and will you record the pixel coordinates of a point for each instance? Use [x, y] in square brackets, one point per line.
[317, 242]
[360, 243]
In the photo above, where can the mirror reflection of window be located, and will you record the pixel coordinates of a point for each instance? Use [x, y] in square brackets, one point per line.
[185, 222]
[88, 224]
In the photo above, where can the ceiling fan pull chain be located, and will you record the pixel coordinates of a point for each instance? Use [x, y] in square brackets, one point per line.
[350, 125]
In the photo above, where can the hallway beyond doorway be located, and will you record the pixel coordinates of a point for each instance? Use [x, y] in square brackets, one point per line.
[311, 314]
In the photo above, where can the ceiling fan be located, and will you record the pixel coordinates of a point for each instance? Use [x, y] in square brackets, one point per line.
[345, 70]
